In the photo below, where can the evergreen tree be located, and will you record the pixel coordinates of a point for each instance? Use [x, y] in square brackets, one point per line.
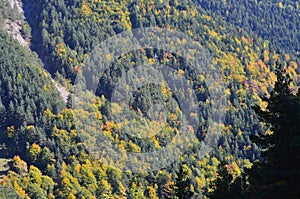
[277, 174]
[183, 182]
[226, 186]
[69, 103]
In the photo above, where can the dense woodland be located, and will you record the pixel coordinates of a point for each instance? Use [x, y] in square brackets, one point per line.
[274, 21]
[50, 153]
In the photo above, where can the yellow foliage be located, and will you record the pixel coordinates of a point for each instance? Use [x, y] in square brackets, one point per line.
[135, 148]
[10, 131]
[85, 9]
[213, 33]
[266, 56]
[61, 50]
[108, 57]
[20, 165]
[70, 60]
[71, 196]
[287, 57]
[180, 73]
[245, 40]
[240, 132]
[263, 105]
[156, 144]
[206, 17]
[199, 182]
[48, 114]
[36, 174]
[215, 161]
[19, 76]
[276, 56]
[193, 12]
[269, 132]
[151, 61]
[247, 164]
[105, 184]
[227, 92]
[293, 65]
[152, 193]
[17, 159]
[164, 89]
[34, 151]
[19, 190]
[28, 128]
[266, 44]
[235, 169]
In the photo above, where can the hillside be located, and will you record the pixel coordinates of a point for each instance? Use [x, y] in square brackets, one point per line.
[56, 143]
[275, 21]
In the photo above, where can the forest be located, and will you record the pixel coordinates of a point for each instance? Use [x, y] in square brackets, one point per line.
[56, 130]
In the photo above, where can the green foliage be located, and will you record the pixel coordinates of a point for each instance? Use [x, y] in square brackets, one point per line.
[276, 175]
[227, 185]
[183, 185]
[52, 162]
[30, 185]
[20, 79]
[280, 26]
[8, 192]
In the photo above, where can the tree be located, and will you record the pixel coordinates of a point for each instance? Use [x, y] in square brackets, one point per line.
[276, 175]
[183, 182]
[19, 166]
[226, 186]
[69, 103]
[8, 192]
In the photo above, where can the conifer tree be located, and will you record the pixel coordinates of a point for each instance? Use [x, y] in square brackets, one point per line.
[276, 175]
[183, 182]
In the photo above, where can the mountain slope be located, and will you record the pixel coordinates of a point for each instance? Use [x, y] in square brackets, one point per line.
[38, 132]
[50, 153]
[275, 21]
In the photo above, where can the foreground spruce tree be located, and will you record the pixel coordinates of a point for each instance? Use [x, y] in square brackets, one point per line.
[277, 174]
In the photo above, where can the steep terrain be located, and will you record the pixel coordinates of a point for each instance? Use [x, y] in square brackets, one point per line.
[44, 140]
[277, 22]
[14, 21]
